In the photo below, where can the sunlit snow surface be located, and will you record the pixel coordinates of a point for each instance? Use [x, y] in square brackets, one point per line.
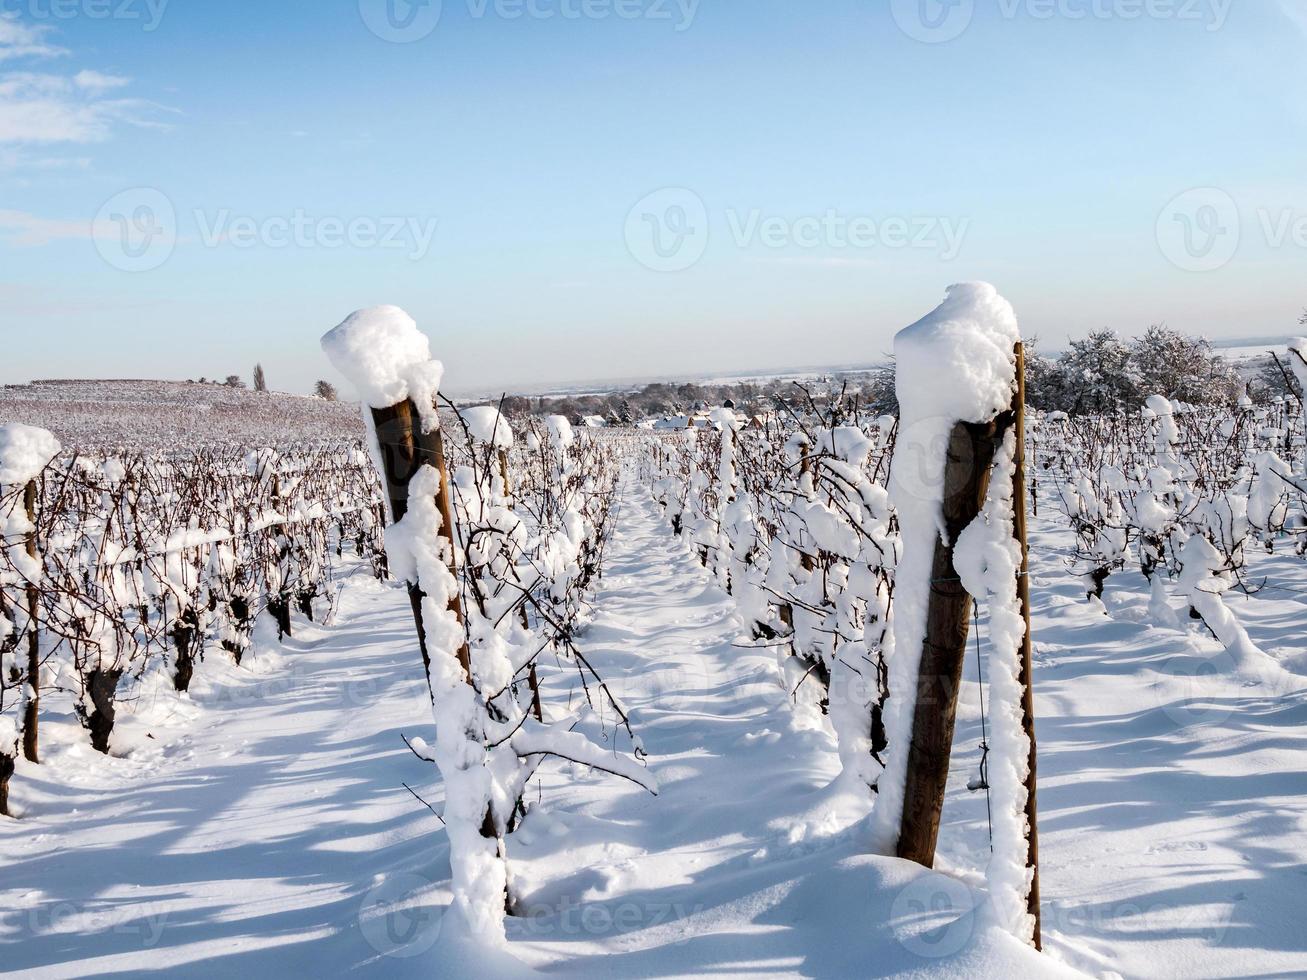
[262, 828]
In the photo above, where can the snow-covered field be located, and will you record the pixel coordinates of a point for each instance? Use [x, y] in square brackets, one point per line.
[261, 826]
[679, 697]
[159, 415]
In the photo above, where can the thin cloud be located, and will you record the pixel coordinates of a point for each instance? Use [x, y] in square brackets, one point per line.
[19, 40]
[22, 230]
[94, 81]
[46, 108]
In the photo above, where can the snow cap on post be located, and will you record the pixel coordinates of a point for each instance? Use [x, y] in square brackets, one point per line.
[488, 426]
[724, 419]
[387, 359]
[24, 452]
[957, 364]
[958, 361]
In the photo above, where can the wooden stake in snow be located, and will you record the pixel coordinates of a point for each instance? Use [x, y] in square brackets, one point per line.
[31, 734]
[405, 448]
[961, 396]
[966, 482]
[1027, 645]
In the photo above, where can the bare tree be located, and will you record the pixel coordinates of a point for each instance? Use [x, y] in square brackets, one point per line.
[325, 390]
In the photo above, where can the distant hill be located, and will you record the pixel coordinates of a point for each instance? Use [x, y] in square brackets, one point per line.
[95, 414]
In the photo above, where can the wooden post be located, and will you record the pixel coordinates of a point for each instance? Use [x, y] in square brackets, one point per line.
[405, 448]
[1027, 645]
[31, 733]
[966, 481]
[503, 475]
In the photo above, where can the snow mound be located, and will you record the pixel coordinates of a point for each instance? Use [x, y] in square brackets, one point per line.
[488, 426]
[24, 452]
[561, 431]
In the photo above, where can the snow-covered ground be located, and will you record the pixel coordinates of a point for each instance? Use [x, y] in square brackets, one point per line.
[162, 415]
[262, 828]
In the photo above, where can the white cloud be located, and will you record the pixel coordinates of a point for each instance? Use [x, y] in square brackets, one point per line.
[94, 81]
[19, 40]
[44, 108]
[23, 230]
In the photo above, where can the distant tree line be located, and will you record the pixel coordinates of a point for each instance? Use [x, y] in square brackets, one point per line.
[1105, 372]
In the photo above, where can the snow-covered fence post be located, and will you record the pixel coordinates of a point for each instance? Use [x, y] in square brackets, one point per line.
[404, 449]
[970, 455]
[958, 388]
[389, 361]
[1027, 643]
[31, 732]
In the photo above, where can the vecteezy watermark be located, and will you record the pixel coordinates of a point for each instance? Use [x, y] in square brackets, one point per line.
[933, 21]
[137, 231]
[401, 21]
[407, 21]
[934, 916]
[131, 922]
[939, 21]
[398, 919]
[300, 229]
[572, 918]
[669, 231]
[285, 685]
[148, 12]
[1203, 229]
[1200, 230]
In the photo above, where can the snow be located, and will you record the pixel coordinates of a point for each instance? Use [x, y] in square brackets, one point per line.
[1203, 581]
[560, 430]
[106, 415]
[988, 560]
[265, 829]
[383, 354]
[24, 452]
[958, 362]
[488, 426]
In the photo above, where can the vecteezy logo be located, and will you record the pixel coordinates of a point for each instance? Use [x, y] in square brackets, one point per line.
[933, 21]
[934, 916]
[400, 21]
[667, 231]
[1189, 689]
[136, 230]
[397, 919]
[1200, 230]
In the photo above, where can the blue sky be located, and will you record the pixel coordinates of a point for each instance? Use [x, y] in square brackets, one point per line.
[557, 192]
